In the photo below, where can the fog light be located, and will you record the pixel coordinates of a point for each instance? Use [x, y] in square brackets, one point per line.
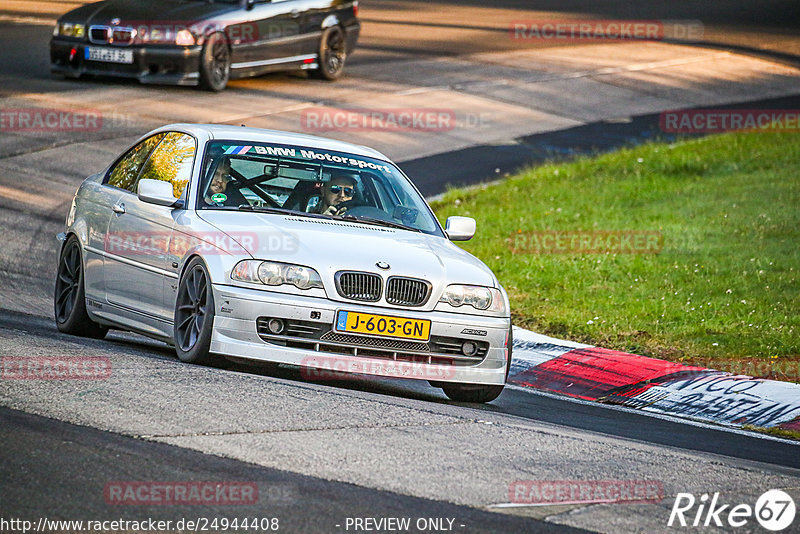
[469, 348]
[275, 326]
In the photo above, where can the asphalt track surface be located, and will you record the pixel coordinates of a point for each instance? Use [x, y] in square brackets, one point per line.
[300, 503]
[58, 469]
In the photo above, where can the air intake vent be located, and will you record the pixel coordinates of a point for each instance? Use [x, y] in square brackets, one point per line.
[407, 291]
[365, 287]
[340, 223]
[99, 34]
[122, 36]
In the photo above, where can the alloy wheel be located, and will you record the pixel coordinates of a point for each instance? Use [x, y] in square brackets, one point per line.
[67, 283]
[334, 52]
[220, 59]
[192, 310]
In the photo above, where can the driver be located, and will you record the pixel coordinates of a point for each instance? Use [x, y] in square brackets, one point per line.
[340, 188]
[219, 186]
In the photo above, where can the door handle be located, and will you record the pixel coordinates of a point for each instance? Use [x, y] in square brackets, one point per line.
[118, 208]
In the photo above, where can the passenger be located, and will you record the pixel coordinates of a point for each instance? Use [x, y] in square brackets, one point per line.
[340, 188]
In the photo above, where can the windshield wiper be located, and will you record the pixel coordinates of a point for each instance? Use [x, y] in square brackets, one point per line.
[357, 218]
[381, 222]
[282, 211]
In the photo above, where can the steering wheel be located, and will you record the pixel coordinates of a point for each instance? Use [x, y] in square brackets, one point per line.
[365, 211]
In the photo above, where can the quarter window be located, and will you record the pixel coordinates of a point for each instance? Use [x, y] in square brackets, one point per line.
[172, 161]
[125, 172]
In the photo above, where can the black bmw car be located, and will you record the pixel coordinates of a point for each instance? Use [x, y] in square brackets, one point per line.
[204, 42]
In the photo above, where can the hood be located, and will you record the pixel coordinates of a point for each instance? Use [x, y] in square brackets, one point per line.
[129, 12]
[330, 246]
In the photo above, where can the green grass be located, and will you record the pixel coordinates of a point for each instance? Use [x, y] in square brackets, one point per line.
[724, 285]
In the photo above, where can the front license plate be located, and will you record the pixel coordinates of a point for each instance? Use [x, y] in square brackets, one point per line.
[383, 325]
[109, 55]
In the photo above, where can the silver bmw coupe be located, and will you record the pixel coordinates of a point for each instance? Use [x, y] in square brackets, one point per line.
[251, 244]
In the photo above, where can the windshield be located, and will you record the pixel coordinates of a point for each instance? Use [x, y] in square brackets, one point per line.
[310, 181]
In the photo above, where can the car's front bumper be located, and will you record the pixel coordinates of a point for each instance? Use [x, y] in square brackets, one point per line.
[174, 65]
[236, 333]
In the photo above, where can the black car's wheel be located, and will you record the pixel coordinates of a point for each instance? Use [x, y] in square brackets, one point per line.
[215, 63]
[332, 54]
[194, 314]
[476, 393]
[69, 301]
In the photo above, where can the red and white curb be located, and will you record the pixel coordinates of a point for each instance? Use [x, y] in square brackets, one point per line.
[649, 384]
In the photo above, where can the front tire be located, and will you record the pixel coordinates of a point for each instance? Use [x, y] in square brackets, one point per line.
[215, 63]
[332, 54]
[69, 300]
[476, 393]
[472, 393]
[194, 315]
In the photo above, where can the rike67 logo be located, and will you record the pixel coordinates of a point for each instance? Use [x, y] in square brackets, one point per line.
[774, 510]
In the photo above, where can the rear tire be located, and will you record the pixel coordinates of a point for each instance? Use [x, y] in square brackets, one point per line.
[215, 63]
[69, 299]
[194, 315]
[332, 54]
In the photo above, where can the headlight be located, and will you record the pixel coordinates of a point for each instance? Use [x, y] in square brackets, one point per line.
[479, 297]
[68, 29]
[272, 273]
[184, 38]
[302, 277]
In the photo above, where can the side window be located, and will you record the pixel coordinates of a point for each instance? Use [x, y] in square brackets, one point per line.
[172, 161]
[124, 173]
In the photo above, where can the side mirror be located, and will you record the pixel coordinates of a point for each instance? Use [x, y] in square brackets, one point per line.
[460, 228]
[156, 192]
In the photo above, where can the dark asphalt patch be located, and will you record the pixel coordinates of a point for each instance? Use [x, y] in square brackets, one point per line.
[483, 163]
